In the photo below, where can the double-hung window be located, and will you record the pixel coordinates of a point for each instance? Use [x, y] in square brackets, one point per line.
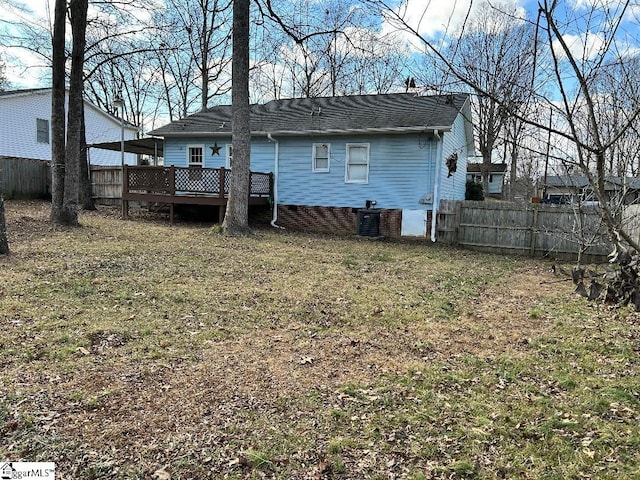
[195, 159]
[320, 157]
[195, 155]
[357, 163]
[42, 130]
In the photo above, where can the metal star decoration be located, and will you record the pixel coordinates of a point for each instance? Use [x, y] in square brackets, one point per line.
[215, 150]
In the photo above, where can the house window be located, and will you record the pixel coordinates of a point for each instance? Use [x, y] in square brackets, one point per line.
[229, 155]
[357, 164]
[42, 130]
[320, 157]
[195, 156]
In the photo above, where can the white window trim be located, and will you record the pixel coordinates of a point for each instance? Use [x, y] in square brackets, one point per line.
[346, 163]
[228, 155]
[189, 147]
[314, 169]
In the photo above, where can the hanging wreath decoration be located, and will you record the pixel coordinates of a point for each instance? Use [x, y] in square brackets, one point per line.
[452, 163]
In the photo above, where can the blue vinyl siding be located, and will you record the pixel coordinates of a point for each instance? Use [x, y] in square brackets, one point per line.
[401, 172]
[453, 188]
[175, 152]
[402, 167]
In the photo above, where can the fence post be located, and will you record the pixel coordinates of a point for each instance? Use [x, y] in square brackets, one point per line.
[534, 229]
[456, 224]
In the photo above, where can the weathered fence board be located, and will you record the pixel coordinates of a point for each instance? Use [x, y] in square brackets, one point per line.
[25, 178]
[524, 229]
[106, 185]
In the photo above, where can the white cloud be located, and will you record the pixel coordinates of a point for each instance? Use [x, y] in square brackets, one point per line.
[433, 19]
[584, 47]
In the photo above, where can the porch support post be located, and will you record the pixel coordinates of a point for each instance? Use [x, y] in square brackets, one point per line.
[172, 180]
[125, 188]
[221, 181]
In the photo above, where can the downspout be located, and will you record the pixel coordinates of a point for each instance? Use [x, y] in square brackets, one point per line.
[436, 185]
[275, 181]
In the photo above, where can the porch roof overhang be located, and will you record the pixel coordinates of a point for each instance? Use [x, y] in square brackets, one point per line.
[152, 146]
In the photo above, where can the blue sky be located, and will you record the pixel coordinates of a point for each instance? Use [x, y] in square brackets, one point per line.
[432, 18]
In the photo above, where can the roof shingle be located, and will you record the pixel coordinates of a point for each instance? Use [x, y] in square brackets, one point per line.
[356, 113]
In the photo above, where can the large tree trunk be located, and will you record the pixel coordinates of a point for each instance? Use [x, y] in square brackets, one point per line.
[58, 113]
[236, 221]
[4, 241]
[75, 114]
[86, 197]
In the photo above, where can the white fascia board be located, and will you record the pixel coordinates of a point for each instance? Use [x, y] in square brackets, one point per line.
[394, 130]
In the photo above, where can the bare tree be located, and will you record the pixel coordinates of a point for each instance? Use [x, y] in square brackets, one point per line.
[574, 70]
[67, 155]
[4, 240]
[236, 220]
[580, 106]
[495, 54]
[203, 29]
[58, 112]
[325, 47]
[4, 83]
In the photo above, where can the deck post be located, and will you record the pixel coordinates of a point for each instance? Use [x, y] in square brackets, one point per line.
[125, 188]
[221, 180]
[172, 180]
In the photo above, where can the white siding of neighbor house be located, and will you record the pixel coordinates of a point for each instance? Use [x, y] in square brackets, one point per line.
[18, 129]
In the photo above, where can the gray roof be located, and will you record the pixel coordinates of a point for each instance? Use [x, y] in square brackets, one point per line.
[578, 181]
[6, 93]
[493, 168]
[397, 112]
[581, 181]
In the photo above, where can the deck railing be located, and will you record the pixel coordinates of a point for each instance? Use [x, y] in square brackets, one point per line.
[196, 186]
[186, 181]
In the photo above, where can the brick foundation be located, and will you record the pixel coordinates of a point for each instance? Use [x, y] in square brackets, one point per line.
[334, 220]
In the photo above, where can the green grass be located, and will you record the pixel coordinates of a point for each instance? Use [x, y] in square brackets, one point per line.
[132, 346]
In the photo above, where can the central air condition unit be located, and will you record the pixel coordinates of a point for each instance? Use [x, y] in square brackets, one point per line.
[369, 222]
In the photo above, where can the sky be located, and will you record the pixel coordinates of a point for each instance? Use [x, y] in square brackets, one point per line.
[431, 18]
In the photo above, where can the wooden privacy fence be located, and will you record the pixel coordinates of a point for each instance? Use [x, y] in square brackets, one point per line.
[106, 185]
[25, 178]
[535, 230]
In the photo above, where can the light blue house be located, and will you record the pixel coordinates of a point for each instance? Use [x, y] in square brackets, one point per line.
[394, 155]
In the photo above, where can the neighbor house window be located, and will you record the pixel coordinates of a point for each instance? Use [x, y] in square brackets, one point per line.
[42, 130]
[320, 157]
[357, 164]
[229, 155]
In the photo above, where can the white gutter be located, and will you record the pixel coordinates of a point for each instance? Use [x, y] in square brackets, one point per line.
[276, 167]
[290, 133]
[436, 185]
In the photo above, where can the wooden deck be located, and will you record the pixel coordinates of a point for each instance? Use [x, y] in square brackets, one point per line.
[191, 186]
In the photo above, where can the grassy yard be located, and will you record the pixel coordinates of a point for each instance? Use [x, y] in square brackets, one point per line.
[136, 350]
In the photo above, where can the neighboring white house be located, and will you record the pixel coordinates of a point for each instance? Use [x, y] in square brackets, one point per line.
[25, 128]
